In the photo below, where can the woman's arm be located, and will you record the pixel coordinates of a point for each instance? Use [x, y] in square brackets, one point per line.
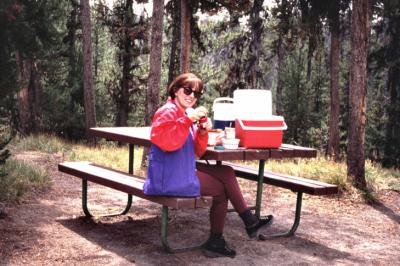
[200, 142]
[170, 128]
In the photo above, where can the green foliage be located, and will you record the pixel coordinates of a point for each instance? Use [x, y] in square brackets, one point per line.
[49, 32]
[305, 100]
[383, 143]
[225, 65]
[62, 111]
[127, 86]
[8, 64]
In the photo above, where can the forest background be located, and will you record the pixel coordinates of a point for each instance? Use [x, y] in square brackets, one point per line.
[307, 52]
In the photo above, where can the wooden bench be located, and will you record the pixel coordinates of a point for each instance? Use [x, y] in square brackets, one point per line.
[296, 184]
[132, 185]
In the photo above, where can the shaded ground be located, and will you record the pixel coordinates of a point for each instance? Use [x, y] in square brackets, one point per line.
[48, 228]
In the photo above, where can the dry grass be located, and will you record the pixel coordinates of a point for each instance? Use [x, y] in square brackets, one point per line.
[111, 155]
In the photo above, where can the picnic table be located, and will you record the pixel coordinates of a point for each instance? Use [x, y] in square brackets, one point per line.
[140, 136]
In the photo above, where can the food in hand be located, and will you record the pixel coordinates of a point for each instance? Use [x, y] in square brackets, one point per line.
[203, 122]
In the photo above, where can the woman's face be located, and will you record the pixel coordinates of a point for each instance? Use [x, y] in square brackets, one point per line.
[185, 97]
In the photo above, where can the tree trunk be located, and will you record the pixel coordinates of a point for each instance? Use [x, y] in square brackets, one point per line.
[186, 41]
[280, 50]
[123, 97]
[88, 90]
[73, 58]
[174, 56]
[24, 114]
[28, 97]
[35, 94]
[333, 144]
[357, 97]
[256, 31]
[153, 91]
[96, 51]
[279, 85]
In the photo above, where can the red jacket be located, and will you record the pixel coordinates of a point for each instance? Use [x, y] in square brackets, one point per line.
[171, 127]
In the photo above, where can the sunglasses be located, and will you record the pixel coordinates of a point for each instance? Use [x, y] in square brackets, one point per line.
[189, 91]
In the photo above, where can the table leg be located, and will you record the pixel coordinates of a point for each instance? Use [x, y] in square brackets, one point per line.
[130, 170]
[164, 235]
[131, 158]
[296, 222]
[85, 202]
[260, 182]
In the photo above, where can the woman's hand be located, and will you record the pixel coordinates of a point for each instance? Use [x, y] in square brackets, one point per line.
[200, 115]
[196, 114]
[205, 126]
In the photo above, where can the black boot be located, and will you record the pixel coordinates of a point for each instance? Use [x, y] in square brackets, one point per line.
[252, 230]
[253, 223]
[216, 246]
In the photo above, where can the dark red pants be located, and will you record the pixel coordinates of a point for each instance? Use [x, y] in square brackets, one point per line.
[220, 182]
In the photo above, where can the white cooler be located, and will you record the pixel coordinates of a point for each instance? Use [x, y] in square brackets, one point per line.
[224, 116]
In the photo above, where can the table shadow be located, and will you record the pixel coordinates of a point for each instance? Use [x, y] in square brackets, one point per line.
[136, 238]
[381, 207]
[330, 255]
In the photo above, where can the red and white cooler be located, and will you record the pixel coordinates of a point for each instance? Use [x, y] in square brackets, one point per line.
[266, 133]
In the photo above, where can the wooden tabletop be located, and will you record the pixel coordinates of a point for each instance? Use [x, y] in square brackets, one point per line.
[141, 136]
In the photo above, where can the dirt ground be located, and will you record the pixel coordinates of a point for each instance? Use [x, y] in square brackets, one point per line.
[48, 228]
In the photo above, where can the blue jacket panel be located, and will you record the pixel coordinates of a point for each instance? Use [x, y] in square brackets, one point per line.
[172, 173]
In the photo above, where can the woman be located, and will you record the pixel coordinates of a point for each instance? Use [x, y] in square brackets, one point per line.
[176, 142]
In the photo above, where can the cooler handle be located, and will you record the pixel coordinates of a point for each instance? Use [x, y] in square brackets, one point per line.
[284, 127]
[223, 99]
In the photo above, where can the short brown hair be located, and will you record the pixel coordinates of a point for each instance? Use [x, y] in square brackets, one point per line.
[185, 80]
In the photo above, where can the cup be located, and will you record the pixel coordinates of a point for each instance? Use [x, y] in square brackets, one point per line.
[230, 133]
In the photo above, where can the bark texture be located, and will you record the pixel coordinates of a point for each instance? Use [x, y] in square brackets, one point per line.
[280, 52]
[333, 144]
[253, 70]
[153, 91]
[186, 41]
[358, 91]
[174, 53]
[122, 100]
[88, 90]
[28, 97]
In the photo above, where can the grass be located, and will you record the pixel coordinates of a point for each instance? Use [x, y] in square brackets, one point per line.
[382, 178]
[43, 143]
[18, 177]
[106, 153]
[111, 155]
[377, 178]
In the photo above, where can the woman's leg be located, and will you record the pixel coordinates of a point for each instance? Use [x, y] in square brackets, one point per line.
[226, 176]
[210, 186]
[215, 246]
